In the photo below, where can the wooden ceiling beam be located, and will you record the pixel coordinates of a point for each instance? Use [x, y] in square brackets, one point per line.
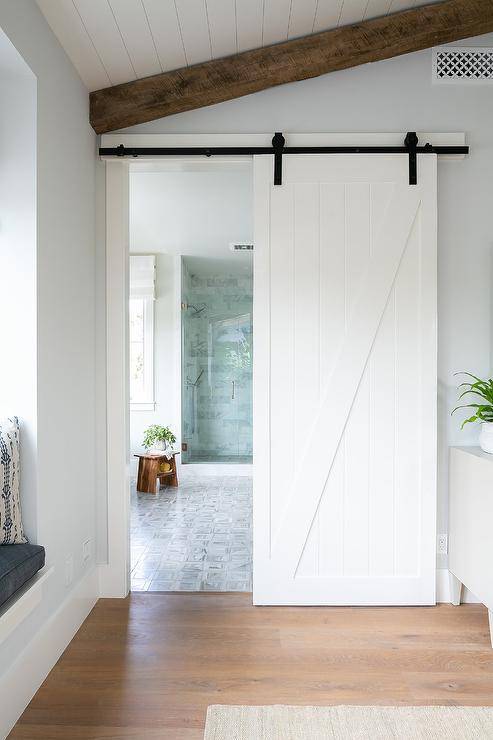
[299, 59]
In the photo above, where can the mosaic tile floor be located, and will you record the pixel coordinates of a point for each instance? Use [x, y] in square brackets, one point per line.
[197, 537]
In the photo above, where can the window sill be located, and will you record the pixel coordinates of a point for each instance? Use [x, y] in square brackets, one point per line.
[23, 602]
[151, 406]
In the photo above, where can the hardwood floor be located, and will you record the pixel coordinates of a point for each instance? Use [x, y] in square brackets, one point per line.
[149, 665]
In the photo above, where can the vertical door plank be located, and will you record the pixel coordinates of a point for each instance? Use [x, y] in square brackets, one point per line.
[408, 412]
[382, 447]
[262, 173]
[382, 416]
[332, 330]
[282, 271]
[356, 489]
[307, 336]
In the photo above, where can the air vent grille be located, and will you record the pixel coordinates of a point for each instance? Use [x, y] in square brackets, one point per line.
[241, 247]
[463, 65]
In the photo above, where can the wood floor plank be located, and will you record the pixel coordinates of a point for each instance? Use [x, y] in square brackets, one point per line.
[148, 666]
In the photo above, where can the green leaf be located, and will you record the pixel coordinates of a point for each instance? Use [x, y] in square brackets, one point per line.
[483, 389]
[464, 372]
[468, 421]
[478, 393]
[468, 406]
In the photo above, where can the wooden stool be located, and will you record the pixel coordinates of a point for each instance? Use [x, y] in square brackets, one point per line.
[149, 472]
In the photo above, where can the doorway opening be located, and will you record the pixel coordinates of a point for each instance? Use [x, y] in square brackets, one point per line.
[190, 367]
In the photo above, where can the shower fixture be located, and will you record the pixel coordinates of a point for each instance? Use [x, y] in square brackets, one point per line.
[191, 384]
[196, 309]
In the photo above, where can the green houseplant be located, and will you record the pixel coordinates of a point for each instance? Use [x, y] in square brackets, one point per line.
[482, 390]
[158, 438]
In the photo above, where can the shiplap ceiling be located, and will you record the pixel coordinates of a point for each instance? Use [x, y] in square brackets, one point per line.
[114, 41]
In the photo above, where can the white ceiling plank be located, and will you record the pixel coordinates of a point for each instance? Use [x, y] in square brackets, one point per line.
[192, 16]
[249, 19]
[276, 21]
[163, 21]
[327, 14]
[101, 26]
[377, 8]
[222, 27]
[302, 18]
[397, 5]
[352, 12]
[66, 24]
[115, 41]
[132, 21]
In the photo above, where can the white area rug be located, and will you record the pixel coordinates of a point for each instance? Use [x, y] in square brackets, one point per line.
[348, 723]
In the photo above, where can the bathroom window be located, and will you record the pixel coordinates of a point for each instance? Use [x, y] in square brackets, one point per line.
[141, 331]
[141, 319]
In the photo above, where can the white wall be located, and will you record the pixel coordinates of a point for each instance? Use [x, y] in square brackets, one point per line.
[190, 213]
[65, 276]
[398, 95]
[18, 391]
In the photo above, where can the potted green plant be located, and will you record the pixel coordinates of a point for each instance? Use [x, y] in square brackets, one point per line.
[158, 439]
[483, 411]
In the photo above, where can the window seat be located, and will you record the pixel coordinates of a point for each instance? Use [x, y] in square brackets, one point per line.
[18, 564]
[28, 595]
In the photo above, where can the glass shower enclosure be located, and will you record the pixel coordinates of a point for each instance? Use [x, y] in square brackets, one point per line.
[216, 360]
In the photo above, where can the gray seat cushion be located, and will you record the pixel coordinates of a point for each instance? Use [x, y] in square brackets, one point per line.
[18, 563]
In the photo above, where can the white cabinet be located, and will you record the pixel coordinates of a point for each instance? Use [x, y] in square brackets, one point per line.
[471, 525]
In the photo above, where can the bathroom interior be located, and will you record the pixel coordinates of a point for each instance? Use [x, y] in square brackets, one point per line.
[191, 355]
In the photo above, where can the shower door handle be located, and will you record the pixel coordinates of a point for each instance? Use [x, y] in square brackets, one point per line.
[232, 390]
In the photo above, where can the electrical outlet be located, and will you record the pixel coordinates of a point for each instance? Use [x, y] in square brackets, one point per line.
[442, 544]
[69, 570]
[86, 551]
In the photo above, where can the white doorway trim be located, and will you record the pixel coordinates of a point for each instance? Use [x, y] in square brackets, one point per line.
[114, 574]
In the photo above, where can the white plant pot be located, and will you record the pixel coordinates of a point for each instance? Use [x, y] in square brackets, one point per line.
[486, 437]
[158, 446]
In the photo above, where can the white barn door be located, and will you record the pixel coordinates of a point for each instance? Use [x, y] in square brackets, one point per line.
[345, 381]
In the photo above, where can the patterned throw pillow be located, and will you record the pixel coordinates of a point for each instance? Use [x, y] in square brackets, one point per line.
[11, 532]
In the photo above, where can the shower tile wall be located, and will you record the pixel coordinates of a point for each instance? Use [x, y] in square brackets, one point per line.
[216, 364]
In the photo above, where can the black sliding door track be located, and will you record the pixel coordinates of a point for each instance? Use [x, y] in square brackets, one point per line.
[279, 149]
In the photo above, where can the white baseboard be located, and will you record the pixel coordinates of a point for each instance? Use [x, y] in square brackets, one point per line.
[19, 684]
[201, 469]
[443, 590]
[114, 581]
